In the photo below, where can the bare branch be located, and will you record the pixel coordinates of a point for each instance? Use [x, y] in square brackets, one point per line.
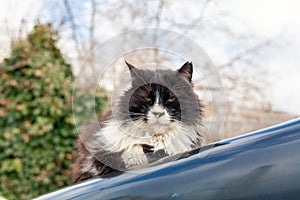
[199, 19]
[157, 20]
[158, 13]
[195, 22]
[73, 27]
[247, 52]
[92, 24]
[91, 54]
[19, 65]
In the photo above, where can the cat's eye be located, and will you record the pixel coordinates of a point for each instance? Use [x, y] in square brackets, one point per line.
[148, 99]
[171, 99]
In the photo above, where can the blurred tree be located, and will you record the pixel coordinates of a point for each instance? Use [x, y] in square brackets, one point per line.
[240, 71]
[37, 132]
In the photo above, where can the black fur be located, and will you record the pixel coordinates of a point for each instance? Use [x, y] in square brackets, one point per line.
[176, 95]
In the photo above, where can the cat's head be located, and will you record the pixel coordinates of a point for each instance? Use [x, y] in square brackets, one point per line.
[160, 99]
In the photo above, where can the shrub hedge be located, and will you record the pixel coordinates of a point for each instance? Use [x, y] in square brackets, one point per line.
[37, 132]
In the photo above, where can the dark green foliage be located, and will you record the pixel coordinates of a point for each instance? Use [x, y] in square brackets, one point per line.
[37, 131]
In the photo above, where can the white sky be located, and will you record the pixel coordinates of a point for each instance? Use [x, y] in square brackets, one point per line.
[11, 14]
[267, 18]
[271, 18]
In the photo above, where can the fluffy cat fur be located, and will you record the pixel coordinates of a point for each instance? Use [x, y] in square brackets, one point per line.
[159, 115]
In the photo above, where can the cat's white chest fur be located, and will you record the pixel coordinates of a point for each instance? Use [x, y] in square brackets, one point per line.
[130, 137]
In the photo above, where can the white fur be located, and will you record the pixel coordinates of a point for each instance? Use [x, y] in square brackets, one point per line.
[174, 138]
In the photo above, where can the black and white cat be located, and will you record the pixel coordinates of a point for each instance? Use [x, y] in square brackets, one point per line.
[159, 115]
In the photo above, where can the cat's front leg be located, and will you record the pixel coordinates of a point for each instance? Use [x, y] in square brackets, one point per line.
[159, 142]
[134, 157]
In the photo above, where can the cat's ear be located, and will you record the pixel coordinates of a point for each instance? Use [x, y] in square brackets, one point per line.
[130, 66]
[187, 71]
[132, 69]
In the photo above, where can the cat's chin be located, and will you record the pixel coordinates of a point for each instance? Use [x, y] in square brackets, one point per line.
[158, 127]
[159, 123]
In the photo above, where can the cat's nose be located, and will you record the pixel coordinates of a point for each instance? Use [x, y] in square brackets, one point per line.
[158, 114]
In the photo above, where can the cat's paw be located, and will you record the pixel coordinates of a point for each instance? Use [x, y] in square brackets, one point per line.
[136, 161]
[134, 157]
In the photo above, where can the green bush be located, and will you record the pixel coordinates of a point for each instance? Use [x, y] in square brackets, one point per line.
[37, 132]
